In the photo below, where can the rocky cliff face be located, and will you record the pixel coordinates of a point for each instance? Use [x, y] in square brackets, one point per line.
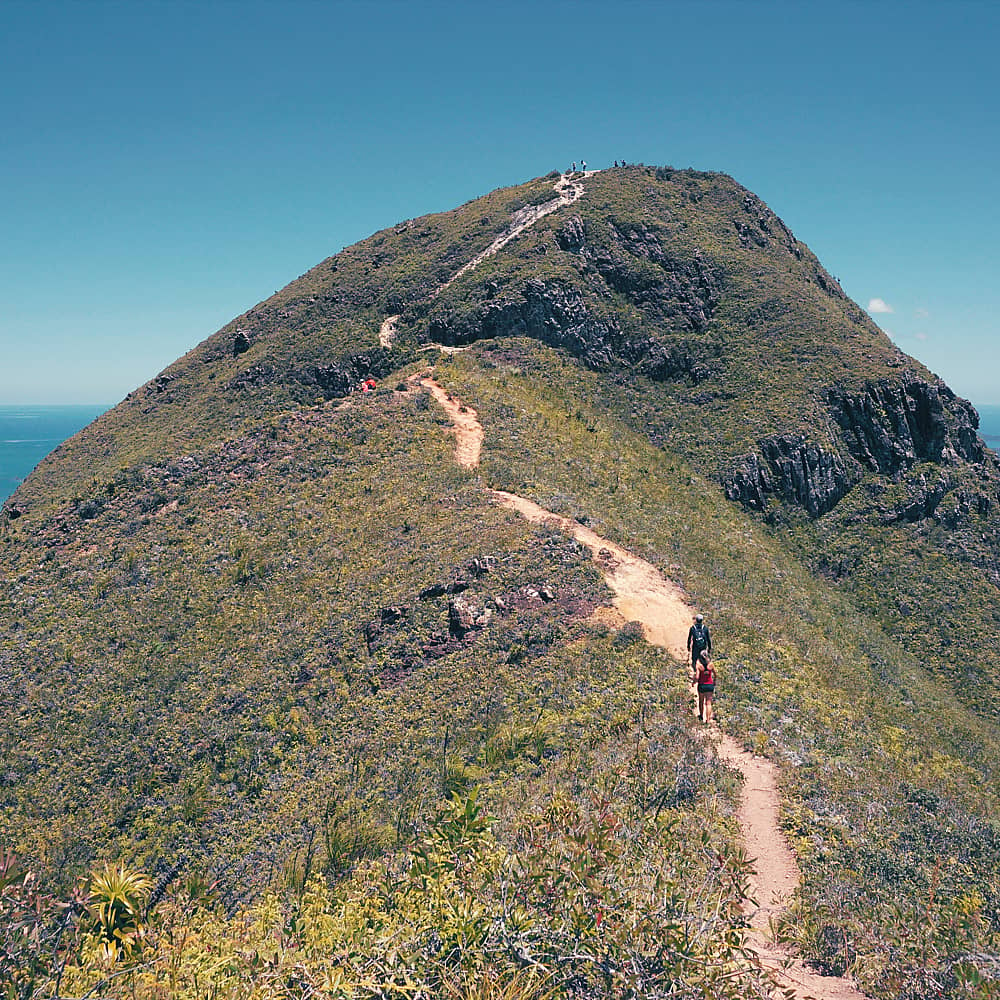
[790, 469]
[555, 314]
[891, 426]
[679, 291]
[558, 315]
[886, 429]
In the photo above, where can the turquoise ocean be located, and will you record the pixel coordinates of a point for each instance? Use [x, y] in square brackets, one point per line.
[29, 433]
[989, 425]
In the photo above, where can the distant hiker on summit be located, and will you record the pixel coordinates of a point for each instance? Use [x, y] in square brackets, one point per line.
[699, 641]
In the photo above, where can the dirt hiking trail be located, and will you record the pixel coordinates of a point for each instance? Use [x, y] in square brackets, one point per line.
[387, 332]
[468, 429]
[568, 189]
[642, 594]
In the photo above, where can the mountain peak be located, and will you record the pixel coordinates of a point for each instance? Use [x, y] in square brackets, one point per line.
[274, 620]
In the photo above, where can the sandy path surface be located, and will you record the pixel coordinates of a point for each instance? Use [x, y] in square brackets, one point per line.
[468, 429]
[643, 594]
[387, 332]
[568, 188]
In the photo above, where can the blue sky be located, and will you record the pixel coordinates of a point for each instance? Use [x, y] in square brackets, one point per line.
[164, 166]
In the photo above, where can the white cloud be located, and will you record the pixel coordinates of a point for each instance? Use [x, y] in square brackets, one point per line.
[879, 306]
[920, 336]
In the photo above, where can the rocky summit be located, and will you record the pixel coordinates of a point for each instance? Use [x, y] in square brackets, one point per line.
[265, 630]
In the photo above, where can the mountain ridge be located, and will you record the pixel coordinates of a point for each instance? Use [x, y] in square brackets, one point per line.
[627, 352]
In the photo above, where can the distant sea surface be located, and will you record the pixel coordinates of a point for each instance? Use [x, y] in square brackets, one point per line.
[989, 425]
[29, 433]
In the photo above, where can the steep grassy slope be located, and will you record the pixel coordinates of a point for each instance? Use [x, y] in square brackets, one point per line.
[886, 774]
[315, 339]
[230, 629]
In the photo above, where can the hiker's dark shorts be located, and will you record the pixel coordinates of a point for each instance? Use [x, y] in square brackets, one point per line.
[706, 689]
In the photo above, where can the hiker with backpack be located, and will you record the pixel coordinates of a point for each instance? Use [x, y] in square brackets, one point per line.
[705, 679]
[699, 640]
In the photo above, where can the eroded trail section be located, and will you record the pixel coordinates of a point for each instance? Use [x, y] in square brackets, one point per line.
[468, 429]
[642, 594]
[568, 188]
[387, 332]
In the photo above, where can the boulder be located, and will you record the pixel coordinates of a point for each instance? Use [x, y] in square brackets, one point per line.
[572, 235]
[241, 343]
[461, 617]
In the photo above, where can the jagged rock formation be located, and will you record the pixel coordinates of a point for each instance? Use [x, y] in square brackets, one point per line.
[679, 292]
[551, 313]
[886, 429]
[792, 470]
[894, 424]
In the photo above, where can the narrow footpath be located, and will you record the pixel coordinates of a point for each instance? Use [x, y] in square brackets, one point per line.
[642, 594]
[568, 188]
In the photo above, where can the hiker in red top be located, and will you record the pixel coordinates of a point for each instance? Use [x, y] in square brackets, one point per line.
[369, 385]
[705, 679]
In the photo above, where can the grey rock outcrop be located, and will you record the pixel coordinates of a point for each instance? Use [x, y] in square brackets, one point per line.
[892, 425]
[791, 469]
[887, 428]
[550, 312]
[461, 617]
[241, 343]
[556, 315]
[683, 291]
[572, 235]
[464, 617]
[761, 225]
[330, 381]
